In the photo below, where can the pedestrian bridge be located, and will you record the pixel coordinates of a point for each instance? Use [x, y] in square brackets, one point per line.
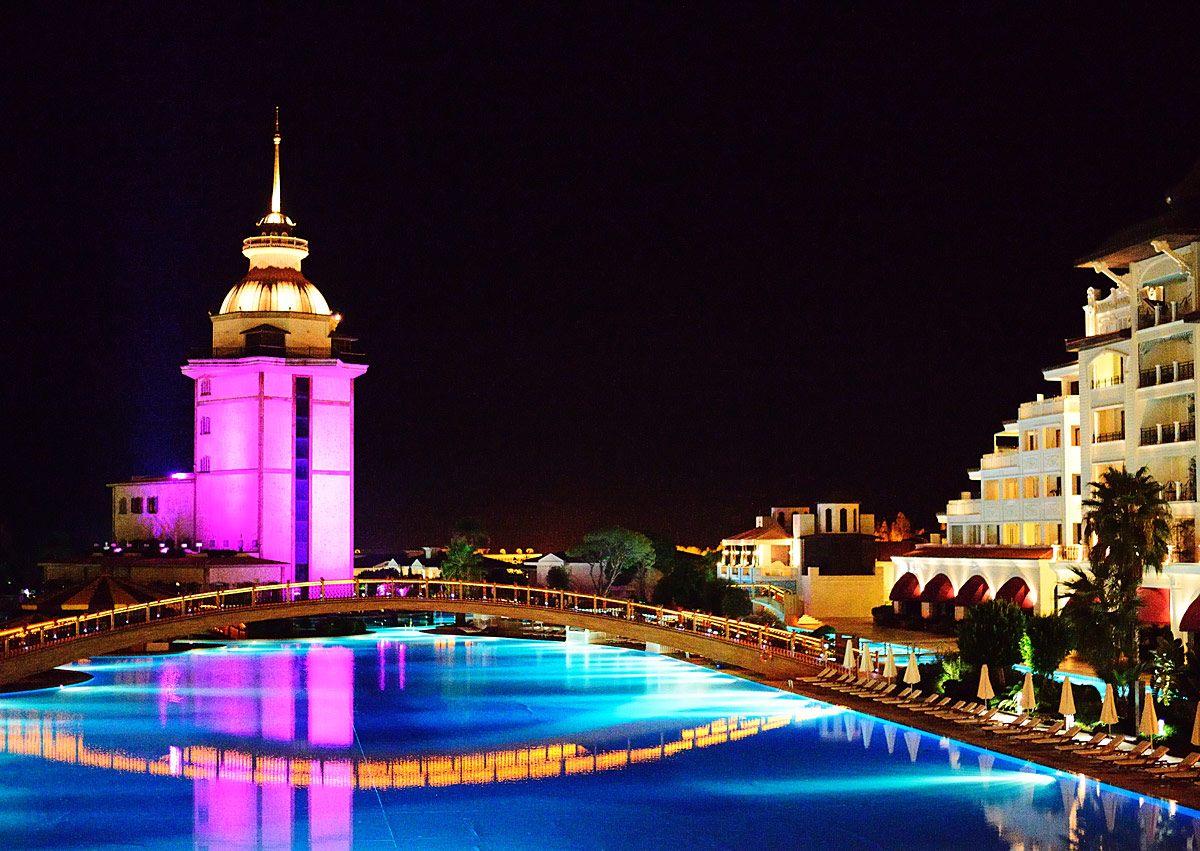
[770, 652]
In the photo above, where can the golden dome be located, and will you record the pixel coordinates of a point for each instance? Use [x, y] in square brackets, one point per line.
[273, 288]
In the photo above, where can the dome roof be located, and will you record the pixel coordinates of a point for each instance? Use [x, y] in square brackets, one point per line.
[273, 288]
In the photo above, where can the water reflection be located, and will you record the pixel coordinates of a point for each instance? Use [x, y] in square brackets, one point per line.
[265, 747]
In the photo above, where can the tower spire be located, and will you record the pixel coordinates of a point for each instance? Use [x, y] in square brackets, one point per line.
[276, 216]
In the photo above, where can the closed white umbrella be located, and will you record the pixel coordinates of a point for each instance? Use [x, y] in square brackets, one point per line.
[889, 666]
[1196, 728]
[986, 692]
[1066, 701]
[1028, 699]
[848, 660]
[912, 675]
[1108, 712]
[1148, 726]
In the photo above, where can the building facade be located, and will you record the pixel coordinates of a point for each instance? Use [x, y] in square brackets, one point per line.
[273, 405]
[1127, 401]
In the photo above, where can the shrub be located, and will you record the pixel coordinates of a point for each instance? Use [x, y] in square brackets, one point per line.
[1051, 638]
[991, 634]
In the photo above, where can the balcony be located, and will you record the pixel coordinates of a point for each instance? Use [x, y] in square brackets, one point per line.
[1179, 491]
[998, 459]
[1108, 436]
[964, 507]
[1111, 381]
[1166, 373]
[1151, 314]
[1045, 407]
[1161, 433]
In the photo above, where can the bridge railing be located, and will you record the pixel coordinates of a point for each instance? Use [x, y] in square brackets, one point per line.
[31, 637]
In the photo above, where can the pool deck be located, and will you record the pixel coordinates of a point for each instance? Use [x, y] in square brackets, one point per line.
[1183, 791]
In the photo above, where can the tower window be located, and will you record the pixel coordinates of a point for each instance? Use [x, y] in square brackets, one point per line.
[205, 386]
[205, 464]
[152, 505]
[135, 505]
[205, 425]
[122, 506]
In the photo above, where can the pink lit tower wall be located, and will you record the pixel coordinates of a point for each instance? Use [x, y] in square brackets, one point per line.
[274, 414]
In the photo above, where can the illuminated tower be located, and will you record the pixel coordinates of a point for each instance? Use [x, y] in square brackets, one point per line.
[274, 414]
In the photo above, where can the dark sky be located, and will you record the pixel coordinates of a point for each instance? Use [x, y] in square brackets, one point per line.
[660, 264]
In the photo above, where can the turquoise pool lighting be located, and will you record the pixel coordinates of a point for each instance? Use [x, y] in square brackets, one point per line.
[403, 739]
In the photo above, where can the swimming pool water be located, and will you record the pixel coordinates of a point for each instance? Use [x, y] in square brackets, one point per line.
[402, 739]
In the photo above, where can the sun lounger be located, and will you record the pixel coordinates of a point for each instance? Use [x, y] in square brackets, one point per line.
[913, 694]
[1035, 730]
[1075, 745]
[939, 706]
[1020, 724]
[825, 674]
[853, 682]
[967, 710]
[869, 689]
[1115, 754]
[1148, 759]
[900, 695]
[910, 704]
[835, 681]
[1184, 766]
[1051, 738]
[983, 718]
[874, 693]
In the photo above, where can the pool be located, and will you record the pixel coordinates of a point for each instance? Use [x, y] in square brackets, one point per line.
[402, 739]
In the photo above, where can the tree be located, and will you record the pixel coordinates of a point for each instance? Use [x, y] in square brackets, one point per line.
[1051, 638]
[991, 634]
[462, 562]
[610, 553]
[1129, 524]
[901, 528]
[558, 578]
[684, 576]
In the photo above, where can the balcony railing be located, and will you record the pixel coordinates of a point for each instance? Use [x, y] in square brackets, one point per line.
[1111, 381]
[251, 351]
[1179, 491]
[1166, 373]
[1108, 436]
[998, 459]
[1053, 405]
[1160, 313]
[1175, 432]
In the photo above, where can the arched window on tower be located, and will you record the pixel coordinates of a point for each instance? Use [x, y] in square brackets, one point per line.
[205, 464]
[205, 386]
[828, 519]
[205, 425]
[842, 520]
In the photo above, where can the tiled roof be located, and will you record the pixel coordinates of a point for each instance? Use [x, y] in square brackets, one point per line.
[770, 531]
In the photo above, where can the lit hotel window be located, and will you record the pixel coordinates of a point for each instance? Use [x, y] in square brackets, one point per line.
[135, 505]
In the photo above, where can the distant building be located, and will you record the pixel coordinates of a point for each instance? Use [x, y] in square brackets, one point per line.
[828, 558]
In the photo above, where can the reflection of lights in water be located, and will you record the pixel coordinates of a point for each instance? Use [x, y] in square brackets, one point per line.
[35, 734]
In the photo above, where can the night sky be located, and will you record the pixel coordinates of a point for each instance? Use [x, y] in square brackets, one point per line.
[661, 265]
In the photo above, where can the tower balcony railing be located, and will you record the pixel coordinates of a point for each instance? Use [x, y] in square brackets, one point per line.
[1166, 373]
[261, 351]
[1108, 436]
[1175, 432]
[1110, 381]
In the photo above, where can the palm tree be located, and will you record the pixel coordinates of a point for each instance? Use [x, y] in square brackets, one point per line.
[1129, 525]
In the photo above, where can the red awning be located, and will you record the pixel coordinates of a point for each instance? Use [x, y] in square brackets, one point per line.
[1156, 606]
[937, 590]
[1016, 590]
[907, 587]
[973, 592]
[1190, 622]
